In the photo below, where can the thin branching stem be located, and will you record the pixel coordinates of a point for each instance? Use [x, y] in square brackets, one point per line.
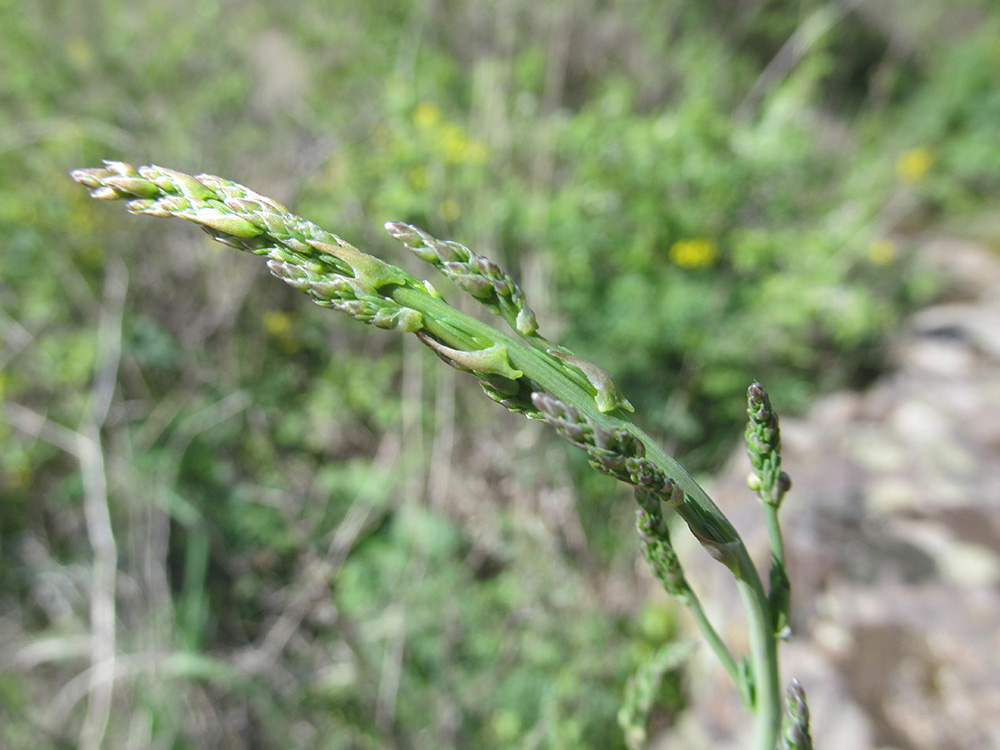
[774, 534]
[715, 642]
[763, 655]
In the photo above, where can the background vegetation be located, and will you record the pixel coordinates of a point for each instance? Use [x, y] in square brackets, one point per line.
[289, 530]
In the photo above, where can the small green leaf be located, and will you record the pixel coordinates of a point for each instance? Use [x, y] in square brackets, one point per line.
[366, 268]
[491, 361]
[609, 396]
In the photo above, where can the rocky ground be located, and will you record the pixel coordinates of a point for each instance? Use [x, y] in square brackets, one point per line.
[893, 534]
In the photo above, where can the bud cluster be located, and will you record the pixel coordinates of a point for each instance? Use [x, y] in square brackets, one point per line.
[476, 274]
[795, 726]
[615, 452]
[349, 296]
[657, 548]
[763, 441]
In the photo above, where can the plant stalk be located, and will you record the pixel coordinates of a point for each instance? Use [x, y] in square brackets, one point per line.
[774, 533]
[763, 655]
[698, 510]
[337, 274]
[715, 642]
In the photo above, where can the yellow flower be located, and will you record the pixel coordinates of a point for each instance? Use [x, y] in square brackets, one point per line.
[455, 144]
[19, 476]
[450, 210]
[80, 53]
[882, 252]
[694, 253]
[277, 323]
[426, 115]
[280, 327]
[417, 177]
[914, 164]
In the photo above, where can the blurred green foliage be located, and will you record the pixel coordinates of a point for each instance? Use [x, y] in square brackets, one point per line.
[323, 539]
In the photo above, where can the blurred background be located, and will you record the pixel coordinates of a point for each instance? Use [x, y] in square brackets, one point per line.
[232, 519]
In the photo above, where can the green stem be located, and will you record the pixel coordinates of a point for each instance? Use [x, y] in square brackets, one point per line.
[715, 642]
[763, 655]
[549, 373]
[697, 510]
[459, 330]
[164, 192]
[774, 533]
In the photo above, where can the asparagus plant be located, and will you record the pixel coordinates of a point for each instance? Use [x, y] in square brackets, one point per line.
[527, 374]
